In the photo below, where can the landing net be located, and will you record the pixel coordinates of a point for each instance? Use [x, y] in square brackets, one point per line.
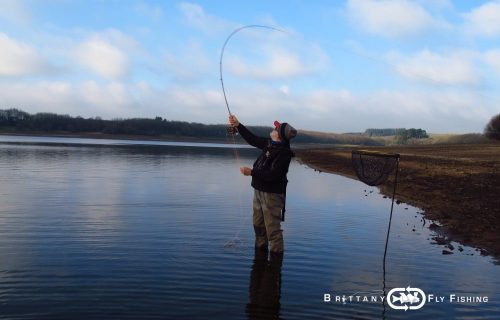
[373, 167]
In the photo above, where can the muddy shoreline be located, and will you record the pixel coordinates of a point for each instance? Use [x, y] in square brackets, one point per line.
[457, 186]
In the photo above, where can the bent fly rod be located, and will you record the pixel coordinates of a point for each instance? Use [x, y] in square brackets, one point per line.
[232, 130]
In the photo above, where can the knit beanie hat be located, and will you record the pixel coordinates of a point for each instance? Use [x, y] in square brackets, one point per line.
[285, 130]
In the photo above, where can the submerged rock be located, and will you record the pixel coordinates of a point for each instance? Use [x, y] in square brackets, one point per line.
[447, 252]
[433, 226]
[440, 240]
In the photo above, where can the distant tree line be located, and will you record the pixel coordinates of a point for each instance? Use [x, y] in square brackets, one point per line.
[382, 132]
[14, 120]
[409, 133]
[401, 135]
[492, 129]
[51, 122]
[405, 135]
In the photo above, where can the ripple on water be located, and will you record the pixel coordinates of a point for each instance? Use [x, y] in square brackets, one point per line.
[128, 233]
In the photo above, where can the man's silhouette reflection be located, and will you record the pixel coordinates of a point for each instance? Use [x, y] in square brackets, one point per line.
[265, 285]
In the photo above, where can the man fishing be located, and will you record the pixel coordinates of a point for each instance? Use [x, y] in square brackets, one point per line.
[269, 182]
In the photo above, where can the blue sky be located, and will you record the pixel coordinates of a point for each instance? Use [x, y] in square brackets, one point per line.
[339, 66]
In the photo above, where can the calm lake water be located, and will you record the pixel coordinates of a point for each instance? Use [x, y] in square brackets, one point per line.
[124, 230]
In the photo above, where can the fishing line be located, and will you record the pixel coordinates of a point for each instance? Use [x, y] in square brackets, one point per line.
[236, 242]
[232, 131]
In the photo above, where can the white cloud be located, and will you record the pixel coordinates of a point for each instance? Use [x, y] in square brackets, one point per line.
[36, 97]
[285, 89]
[194, 105]
[391, 18]
[319, 104]
[15, 11]
[492, 57]
[322, 110]
[195, 16]
[264, 61]
[87, 99]
[439, 111]
[343, 111]
[433, 68]
[20, 59]
[119, 39]
[191, 64]
[152, 12]
[113, 95]
[105, 59]
[484, 20]
[437, 4]
[278, 65]
[114, 100]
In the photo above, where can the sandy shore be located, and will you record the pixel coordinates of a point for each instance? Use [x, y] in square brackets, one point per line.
[457, 186]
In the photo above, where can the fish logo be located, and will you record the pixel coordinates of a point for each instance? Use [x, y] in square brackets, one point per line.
[409, 298]
[406, 298]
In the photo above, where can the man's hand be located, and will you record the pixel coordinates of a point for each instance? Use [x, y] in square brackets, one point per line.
[233, 121]
[246, 171]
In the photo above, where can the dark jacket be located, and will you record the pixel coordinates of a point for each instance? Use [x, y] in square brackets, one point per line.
[270, 169]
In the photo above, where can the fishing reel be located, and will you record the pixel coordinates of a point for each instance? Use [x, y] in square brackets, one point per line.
[232, 131]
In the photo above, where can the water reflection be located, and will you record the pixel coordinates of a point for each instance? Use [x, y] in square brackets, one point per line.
[139, 232]
[265, 286]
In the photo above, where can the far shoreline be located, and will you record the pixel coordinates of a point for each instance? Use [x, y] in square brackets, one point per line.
[98, 135]
[165, 138]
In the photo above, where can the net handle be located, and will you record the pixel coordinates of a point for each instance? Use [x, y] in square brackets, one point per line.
[376, 154]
